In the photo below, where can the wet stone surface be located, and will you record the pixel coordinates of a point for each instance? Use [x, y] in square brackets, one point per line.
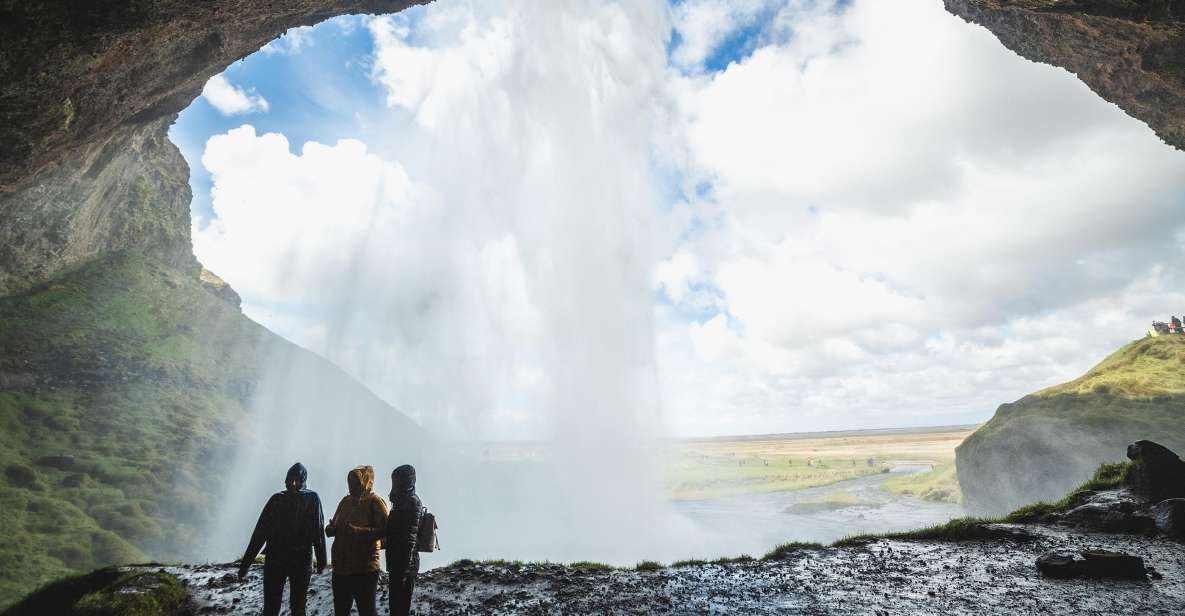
[996, 576]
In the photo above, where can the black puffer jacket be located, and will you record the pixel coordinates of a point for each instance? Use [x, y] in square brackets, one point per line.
[290, 525]
[403, 525]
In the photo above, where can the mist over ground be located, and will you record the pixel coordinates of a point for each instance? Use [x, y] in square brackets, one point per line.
[602, 225]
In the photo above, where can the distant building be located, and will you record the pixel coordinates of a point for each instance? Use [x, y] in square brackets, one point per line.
[1160, 328]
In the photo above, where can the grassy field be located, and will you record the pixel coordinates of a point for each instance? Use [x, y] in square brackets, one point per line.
[710, 468]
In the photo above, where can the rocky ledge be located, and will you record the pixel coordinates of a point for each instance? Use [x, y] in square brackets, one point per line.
[995, 575]
[1130, 52]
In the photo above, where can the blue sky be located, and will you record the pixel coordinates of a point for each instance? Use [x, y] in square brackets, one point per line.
[319, 92]
[794, 215]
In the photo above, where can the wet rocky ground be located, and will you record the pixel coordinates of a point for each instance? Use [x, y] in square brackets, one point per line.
[993, 576]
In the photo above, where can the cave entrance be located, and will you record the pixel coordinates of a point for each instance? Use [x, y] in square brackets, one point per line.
[593, 226]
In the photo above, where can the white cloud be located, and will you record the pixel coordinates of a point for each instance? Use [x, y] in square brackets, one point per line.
[230, 99]
[906, 224]
[704, 25]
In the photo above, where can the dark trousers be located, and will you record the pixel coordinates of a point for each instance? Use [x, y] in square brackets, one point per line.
[401, 589]
[358, 588]
[275, 574]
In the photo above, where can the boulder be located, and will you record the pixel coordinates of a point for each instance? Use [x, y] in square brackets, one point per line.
[21, 476]
[1108, 517]
[74, 480]
[1114, 566]
[60, 462]
[1059, 564]
[1157, 473]
[1092, 565]
[1170, 517]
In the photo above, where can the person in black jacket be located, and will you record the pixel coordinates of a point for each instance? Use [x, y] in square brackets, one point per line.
[290, 525]
[403, 528]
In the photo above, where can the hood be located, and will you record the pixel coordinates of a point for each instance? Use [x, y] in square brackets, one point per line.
[298, 472]
[405, 475]
[361, 480]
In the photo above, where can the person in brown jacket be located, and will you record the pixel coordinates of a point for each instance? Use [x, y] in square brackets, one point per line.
[357, 527]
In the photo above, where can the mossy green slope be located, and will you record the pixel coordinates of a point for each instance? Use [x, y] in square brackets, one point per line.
[125, 389]
[121, 387]
[1044, 444]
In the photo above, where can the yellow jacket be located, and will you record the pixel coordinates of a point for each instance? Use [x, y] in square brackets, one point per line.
[358, 525]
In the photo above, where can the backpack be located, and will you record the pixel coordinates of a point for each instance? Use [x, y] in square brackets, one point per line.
[426, 540]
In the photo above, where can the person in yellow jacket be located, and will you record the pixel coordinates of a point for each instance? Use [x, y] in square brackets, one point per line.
[357, 527]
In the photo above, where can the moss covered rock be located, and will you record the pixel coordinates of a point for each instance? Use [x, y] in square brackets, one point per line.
[109, 592]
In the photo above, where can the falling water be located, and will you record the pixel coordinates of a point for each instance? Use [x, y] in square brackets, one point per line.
[549, 184]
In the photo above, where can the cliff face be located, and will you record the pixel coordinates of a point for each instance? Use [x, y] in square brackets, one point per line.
[130, 191]
[1049, 442]
[1130, 52]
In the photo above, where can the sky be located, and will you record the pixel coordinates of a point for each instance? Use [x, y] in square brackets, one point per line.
[712, 217]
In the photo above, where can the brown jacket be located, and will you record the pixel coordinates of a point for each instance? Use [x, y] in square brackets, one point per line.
[358, 525]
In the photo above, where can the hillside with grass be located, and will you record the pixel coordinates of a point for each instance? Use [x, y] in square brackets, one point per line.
[1044, 444]
[126, 388]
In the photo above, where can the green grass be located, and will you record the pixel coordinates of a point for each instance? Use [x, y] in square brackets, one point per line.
[958, 529]
[1148, 368]
[786, 549]
[496, 562]
[743, 558]
[648, 565]
[591, 566]
[940, 485]
[139, 374]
